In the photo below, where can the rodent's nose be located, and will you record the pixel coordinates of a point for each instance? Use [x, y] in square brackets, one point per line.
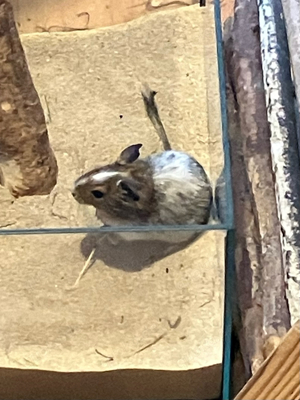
[74, 194]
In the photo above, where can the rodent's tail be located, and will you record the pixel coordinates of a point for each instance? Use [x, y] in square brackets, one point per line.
[152, 112]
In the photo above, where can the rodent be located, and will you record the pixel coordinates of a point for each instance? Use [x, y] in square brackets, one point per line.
[165, 188]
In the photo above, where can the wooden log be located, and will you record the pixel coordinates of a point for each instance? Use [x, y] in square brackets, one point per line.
[248, 272]
[279, 94]
[291, 11]
[27, 162]
[260, 274]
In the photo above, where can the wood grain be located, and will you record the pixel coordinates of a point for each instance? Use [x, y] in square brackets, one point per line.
[279, 377]
[28, 165]
[66, 15]
[260, 274]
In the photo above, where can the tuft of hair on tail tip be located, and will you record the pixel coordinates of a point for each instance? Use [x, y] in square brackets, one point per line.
[152, 112]
[148, 94]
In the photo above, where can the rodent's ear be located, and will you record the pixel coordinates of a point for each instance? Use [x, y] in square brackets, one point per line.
[130, 188]
[130, 154]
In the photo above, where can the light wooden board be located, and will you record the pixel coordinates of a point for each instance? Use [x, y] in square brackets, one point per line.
[279, 376]
[59, 15]
[166, 315]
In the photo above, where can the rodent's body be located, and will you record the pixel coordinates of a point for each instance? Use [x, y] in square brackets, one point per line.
[168, 188]
[183, 191]
[181, 194]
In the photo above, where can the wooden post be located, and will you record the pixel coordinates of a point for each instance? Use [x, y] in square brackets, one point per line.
[291, 10]
[260, 273]
[279, 94]
[27, 162]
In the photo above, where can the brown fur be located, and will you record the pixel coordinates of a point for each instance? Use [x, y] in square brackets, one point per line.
[115, 201]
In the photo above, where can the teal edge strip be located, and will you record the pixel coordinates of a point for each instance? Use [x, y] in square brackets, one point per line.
[230, 240]
[228, 311]
[107, 229]
[223, 104]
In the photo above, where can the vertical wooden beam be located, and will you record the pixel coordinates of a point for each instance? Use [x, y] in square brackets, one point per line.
[279, 94]
[27, 162]
[291, 10]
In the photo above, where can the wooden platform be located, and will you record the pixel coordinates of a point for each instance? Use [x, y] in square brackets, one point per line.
[138, 326]
[65, 15]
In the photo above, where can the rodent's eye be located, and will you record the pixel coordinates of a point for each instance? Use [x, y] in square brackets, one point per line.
[97, 194]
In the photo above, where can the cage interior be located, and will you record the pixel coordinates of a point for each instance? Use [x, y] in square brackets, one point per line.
[141, 305]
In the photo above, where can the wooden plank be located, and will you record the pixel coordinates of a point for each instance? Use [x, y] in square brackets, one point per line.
[66, 15]
[278, 377]
[92, 84]
[57, 15]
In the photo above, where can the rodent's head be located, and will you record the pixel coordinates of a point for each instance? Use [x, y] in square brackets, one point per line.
[120, 191]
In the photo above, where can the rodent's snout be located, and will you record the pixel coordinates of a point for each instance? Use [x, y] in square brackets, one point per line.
[76, 196]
